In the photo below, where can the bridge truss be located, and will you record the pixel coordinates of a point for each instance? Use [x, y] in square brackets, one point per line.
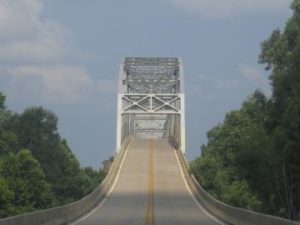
[151, 100]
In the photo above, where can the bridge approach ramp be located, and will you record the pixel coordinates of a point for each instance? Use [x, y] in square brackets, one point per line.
[150, 189]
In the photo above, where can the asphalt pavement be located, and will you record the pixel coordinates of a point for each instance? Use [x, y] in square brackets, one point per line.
[150, 189]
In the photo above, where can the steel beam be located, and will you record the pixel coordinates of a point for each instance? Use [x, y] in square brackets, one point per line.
[151, 87]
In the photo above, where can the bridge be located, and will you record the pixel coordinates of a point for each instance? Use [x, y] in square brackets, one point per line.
[151, 100]
[149, 181]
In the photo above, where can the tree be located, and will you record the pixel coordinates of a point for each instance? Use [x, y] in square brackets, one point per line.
[2, 101]
[36, 129]
[255, 150]
[95, 178]
[221, 168]
[26, 179]
[6, 198]
[8, 142]
[45, 175]
[281, 53]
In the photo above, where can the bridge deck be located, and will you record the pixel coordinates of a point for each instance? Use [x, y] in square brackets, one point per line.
[149, 190]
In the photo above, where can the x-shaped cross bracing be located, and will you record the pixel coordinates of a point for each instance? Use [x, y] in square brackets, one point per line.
[151, 103]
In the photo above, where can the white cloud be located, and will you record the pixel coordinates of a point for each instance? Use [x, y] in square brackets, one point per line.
[228, 8]
[56, 85]
[25, 37]
[28, 42]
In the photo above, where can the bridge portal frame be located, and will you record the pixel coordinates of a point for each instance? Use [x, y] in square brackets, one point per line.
[170, 104]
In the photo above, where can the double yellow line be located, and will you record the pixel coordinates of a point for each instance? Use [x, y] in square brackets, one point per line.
[149, 213]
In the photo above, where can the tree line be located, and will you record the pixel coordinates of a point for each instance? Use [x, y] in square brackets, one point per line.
[37, 168]
[252, 158]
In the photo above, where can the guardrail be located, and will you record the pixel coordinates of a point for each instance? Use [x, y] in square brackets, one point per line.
[68, 213]
[226, 213]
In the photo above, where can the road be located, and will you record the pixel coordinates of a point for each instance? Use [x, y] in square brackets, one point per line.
[149, 189]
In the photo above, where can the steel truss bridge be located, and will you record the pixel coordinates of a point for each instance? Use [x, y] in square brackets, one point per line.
[151, 100]
[149, 181]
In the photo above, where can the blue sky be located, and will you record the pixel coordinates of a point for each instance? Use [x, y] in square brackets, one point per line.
[64, 55]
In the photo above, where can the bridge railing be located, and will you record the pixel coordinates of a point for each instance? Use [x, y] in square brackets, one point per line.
[68, 213]
[229, 214]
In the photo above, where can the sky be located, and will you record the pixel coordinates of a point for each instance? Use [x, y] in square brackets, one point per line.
[64, 55]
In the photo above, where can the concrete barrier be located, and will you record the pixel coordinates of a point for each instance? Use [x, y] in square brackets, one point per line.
[226, 213]
[68, 213]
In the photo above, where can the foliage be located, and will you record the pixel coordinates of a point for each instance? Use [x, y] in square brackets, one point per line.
[25, 177]
[6, 198]
[252, 159]
[37, 168]
[93, 178]
[230, 158]
[2, 101]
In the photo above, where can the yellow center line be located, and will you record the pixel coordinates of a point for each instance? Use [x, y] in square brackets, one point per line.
[149, 217]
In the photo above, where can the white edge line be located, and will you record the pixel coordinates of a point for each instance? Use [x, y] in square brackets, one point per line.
[193, 196]
[109, 192]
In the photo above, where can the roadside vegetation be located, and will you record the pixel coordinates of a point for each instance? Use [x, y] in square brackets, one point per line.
[37, 168]
[252, 158]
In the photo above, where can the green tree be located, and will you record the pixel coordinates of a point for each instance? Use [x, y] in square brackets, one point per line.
[8, 142]
[256, 148]
[6, 198]
[94, 178]
[281, 54]
[26, 179]
[232, 157]
[46, 175]
[36, 129]
[2, 101]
